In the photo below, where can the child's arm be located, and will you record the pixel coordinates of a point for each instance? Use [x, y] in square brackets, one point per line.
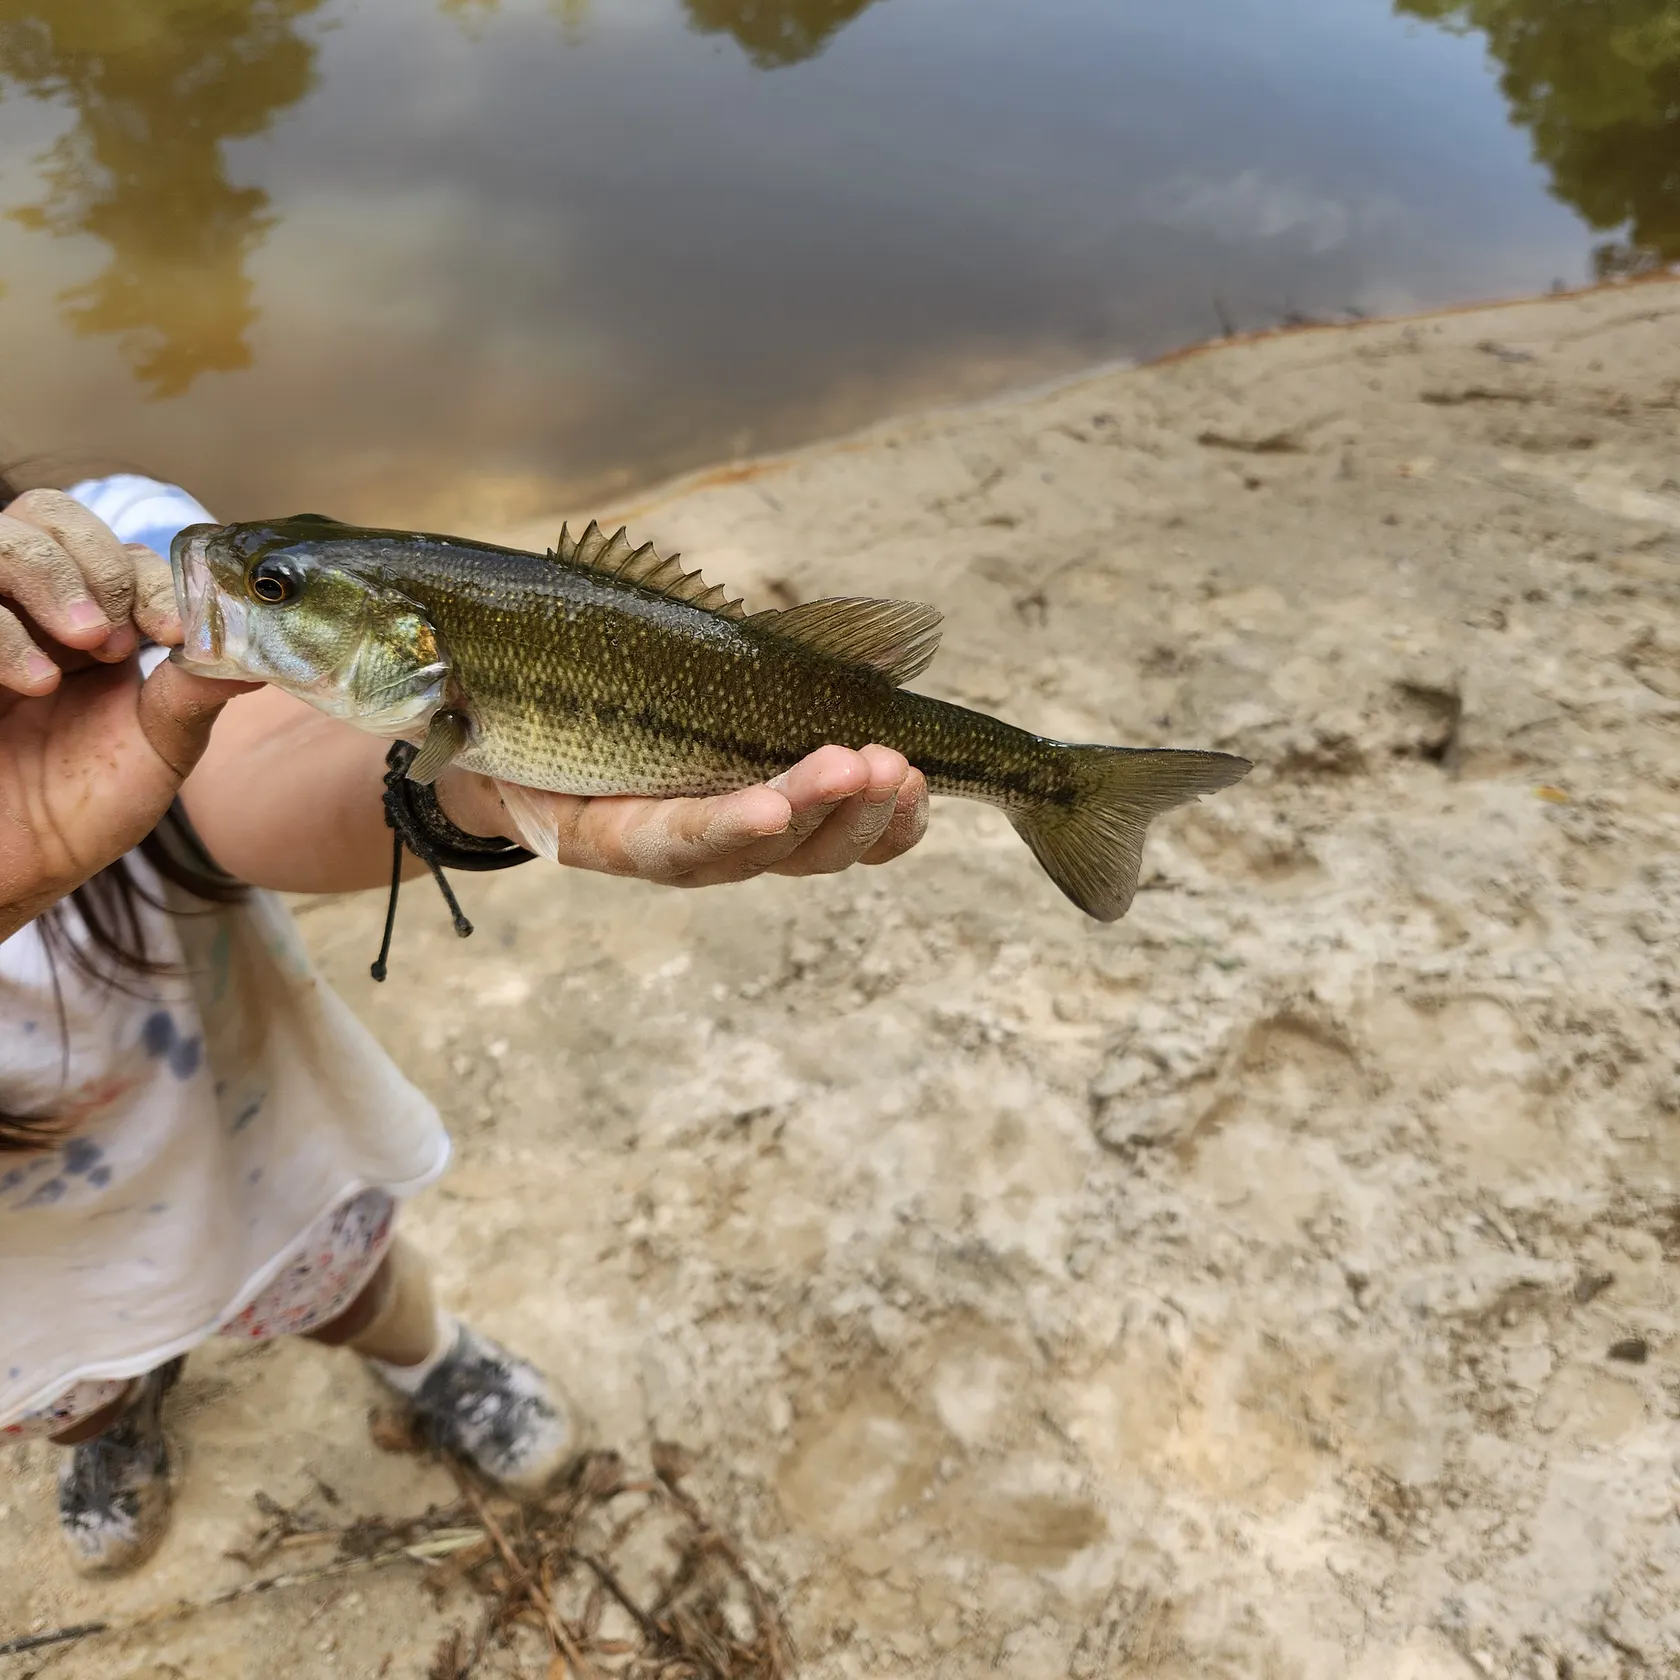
[288, 798]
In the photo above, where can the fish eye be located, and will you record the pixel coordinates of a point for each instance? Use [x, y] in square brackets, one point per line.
[273, 581]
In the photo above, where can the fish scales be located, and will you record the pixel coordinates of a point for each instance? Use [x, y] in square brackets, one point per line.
[593, 671]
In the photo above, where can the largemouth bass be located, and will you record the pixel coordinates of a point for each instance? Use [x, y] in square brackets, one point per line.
[601, 668]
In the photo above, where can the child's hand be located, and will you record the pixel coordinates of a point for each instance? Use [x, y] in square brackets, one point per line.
[89, 757]
[831, 810]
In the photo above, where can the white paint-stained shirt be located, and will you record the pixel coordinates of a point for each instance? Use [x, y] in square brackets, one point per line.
[211, 1115]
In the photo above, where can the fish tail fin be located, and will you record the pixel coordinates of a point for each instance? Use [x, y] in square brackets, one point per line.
[1090, 837]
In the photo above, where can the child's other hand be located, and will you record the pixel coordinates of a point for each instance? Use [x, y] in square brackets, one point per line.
[833, 809]
[89, 757]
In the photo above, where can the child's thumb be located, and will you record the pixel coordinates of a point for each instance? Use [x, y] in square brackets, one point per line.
[177, 711]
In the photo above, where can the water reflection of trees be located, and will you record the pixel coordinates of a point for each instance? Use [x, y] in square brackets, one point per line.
[774, 33]
[1597, 84]
[157, 89]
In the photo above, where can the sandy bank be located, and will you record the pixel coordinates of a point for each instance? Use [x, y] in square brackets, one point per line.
[1228, 1292]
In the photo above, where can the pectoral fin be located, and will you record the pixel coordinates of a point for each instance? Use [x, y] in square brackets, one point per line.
[446, 737]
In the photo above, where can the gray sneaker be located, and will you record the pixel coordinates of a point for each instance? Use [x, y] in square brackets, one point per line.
[114, 1492]
[498, 1412]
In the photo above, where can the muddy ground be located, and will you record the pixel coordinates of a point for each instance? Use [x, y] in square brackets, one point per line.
[1280, 1282]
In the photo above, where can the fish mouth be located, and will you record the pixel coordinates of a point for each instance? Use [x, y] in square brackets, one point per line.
[215, 633]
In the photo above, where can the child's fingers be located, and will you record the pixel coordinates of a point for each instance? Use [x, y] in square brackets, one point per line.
[37, 574]
[823, 778]
[760, 853]
[106, 569]
[23, 667]
[784, 826]
[908, 825]
[834, 808]
[840, 839]
[650, 839]
[155, 610]
[820, 788]
[741, 855]
[851, 827]
[177, 711]
[671, 839]
[809, 792]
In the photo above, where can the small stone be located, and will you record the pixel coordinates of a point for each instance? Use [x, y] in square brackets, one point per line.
[1590, 1285]
[671, 1462]
[394, 1431]
[1634, 1350]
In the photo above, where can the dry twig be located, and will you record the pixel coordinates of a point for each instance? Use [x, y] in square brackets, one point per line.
[532, 1586]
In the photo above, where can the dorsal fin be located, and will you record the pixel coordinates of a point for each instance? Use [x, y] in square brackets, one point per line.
[614, 557]
[896, 638]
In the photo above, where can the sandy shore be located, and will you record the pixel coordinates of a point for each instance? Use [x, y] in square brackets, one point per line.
[1280, 1282]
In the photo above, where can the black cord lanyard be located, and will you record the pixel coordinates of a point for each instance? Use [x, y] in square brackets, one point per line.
[416, 821]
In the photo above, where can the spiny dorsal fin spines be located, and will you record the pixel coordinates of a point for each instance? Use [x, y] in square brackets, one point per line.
[666, 577]
[662, 575]
[591, 546]
[641, 561]
[618, 553]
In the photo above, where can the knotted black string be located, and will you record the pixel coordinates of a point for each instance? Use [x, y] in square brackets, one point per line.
[417, 821]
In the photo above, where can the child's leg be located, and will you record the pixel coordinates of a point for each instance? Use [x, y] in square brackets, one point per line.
[83, 1410]
[94, 1424]
[471, 1396]
[394, 1319]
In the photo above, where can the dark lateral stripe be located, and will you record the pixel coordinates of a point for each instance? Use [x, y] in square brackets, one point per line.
[666, 728]
[1022, 782]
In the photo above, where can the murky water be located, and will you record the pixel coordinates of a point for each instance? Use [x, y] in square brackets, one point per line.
[468, 260]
